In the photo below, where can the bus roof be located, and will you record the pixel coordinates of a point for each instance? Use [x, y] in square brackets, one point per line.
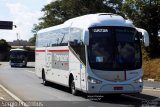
[92, 20]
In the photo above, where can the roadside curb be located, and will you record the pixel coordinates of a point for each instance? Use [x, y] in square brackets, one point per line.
[152, 88]
[151, 80]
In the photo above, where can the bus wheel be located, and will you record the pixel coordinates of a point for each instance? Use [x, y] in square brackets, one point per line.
[25, 65]
[45, 82]
[73, 89]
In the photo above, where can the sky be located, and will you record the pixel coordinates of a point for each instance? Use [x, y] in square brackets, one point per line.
[23, 13]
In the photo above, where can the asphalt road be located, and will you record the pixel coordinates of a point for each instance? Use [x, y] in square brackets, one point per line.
[28, 87]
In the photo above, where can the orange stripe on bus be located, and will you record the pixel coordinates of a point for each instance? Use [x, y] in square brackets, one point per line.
[40, 50]
[58, 50]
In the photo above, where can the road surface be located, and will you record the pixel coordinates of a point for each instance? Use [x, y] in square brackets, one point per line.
[23, 83]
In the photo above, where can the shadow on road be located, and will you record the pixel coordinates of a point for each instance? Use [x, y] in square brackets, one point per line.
[22, 67]
[29, 67]
[57, 86]
[134, 100]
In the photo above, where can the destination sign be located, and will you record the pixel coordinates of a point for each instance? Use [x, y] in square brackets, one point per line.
[100, 30]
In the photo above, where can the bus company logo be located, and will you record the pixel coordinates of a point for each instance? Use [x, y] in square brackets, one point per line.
[59, 57]
[117, 78]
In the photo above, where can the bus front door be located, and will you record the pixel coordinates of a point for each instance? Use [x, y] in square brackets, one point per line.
[83, 77]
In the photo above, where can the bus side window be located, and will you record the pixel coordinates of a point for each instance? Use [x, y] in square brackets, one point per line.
[76, 43]
[75, 37]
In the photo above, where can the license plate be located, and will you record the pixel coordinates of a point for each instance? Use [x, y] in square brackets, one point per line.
[118, 88]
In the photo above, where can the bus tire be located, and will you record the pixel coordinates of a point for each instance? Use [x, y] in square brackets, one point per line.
[25, 65]
[73, 89]
[45, 82]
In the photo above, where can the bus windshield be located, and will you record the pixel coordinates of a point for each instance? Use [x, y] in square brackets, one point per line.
[17, 53]
[114, 48]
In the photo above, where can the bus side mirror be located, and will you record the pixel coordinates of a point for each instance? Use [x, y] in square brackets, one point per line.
[85, 38]
[144, 36]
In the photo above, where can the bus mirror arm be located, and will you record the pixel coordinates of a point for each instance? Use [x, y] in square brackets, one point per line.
[140, 35]
[144, 36]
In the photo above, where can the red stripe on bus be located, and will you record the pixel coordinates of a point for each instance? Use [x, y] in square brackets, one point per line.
[58, 50]
[40, 50]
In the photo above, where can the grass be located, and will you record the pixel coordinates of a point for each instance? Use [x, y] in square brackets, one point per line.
[152, 69]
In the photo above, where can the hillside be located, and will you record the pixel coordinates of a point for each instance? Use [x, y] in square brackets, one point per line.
[152, 69]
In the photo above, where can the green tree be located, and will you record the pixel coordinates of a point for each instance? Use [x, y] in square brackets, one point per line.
[4, 46]
[32, 40]
[145, 14]
[61, 10]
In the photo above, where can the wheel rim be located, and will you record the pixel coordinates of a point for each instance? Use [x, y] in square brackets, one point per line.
[73, 87]
[44, 79]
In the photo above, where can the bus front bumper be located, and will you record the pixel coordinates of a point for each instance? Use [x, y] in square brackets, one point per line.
[115, 88]
[18, 64]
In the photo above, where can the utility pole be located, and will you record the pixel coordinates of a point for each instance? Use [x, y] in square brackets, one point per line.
[18, 39]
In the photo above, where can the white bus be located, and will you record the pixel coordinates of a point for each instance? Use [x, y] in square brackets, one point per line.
[95, 53]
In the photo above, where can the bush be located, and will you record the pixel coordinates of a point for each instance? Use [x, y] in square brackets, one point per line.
[4, 46]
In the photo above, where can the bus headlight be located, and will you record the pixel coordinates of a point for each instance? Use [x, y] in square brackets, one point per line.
[138, 80]
[93, 80]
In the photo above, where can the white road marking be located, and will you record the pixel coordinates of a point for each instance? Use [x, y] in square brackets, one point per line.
[30, 71]
[2, 98]
[14, 96]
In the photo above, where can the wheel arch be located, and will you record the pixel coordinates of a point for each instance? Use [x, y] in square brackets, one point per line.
[71, 77]
[43, 73]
